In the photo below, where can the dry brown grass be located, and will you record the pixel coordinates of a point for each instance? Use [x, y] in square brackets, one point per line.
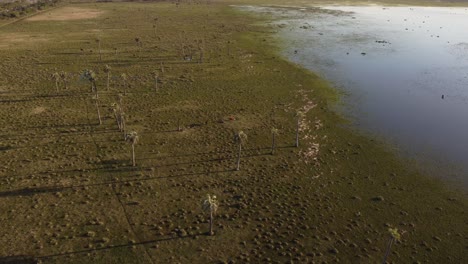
[67, 13]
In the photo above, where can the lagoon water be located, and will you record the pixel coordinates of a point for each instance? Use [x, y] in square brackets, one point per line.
[404, 72]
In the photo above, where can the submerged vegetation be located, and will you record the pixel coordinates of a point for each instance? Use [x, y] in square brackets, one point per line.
[188, 76]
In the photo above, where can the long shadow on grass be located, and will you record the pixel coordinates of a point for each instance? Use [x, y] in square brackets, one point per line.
[18, 260]
[50, 189]
[116, 246]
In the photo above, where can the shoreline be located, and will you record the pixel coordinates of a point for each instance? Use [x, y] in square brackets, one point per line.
[430, 164]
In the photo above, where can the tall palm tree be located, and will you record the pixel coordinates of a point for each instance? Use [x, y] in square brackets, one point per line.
[117, 112]
[156, 77]
[132, 138]
[91, 77]
[274, 132]
[96, 103]
[138, 41]
[155, 27]
[56, 77]
[122, 124]
[64, 77]
[240, 138]
[107, 70]
[120, 97]
[299, 116]
[98, 41]
[395, 235]
[200, 60]
[210, 205]
[124, 78]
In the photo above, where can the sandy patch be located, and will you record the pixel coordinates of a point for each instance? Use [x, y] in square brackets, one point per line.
[17, 39]
[38, 110]
[67, 13]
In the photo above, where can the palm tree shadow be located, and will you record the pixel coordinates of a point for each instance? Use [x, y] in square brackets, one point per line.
[21, 259]
[111, 247]
[30, 192]
[51, 189]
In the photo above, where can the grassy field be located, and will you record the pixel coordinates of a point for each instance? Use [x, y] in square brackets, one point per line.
[69, 192]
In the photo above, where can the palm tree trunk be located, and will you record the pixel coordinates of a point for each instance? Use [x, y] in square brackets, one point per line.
[133, 155]
[273, 145]
[297, 131]
[56, 86]
[201, 56]
[211, 222]
[390, 243]
[98, 112]
[108, 78]
[100, 54]
[156, 83]
[117, 119]
[94, 87]
[122, 124]
[239, 156]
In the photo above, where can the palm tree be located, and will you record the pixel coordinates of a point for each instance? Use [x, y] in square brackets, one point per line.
[395, 235]
[240, 138]
[179, 128]
[98, 41]
[117, 113]
[299, 116]
[274, 132]
[120, 97]
[155, 27]
[132, 138]
[210, 205]
[96, 103]
[156, 77]
[90, 76]
[122, 124]
[56, 77]
[64, 77]
[107, 70]
[122, 115]
[200, 60]
[124, 78]
[138, 41]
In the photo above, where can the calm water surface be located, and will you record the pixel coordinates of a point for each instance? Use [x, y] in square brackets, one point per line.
[404, 71]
